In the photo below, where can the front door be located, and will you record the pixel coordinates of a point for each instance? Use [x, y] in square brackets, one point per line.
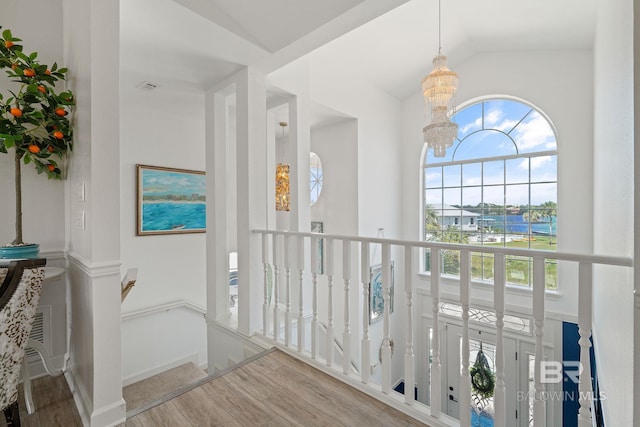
[482, 406]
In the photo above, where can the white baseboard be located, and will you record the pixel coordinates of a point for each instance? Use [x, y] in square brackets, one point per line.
[193, 358]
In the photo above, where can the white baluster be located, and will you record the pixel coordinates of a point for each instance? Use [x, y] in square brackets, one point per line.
[287, 296]
[386, 327]
[314, 296]
[436, 369]
[499, 283]
[329, 273]
[265, 264]
[275, 294]
[409, 357]
[539, 410]
[585, 307]
[300, 260]
[346, 335]
[464, 393]
[365, 365]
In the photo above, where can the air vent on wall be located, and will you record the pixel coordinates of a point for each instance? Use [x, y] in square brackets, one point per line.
[145, 85]
[40, 332]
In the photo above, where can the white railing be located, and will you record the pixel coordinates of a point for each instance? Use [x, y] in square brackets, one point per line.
[288, 252]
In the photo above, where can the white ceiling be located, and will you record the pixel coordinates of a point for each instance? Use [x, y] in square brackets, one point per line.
[192, 44]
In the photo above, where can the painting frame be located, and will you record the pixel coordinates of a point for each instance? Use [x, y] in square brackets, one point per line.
[376, 300]
[169, 200]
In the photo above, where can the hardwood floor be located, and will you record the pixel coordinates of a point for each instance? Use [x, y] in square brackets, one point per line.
[272, 390]
[54, 405]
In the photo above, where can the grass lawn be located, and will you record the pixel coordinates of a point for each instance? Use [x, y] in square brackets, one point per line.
[519, 270]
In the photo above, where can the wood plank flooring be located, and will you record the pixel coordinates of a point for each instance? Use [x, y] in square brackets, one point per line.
[273, 390]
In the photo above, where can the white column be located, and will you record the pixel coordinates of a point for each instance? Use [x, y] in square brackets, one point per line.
[464, 392]
[386, 327]
[329, 273]
[300, 261]
[585, 309]
[346, 335]
[539, 409]
[217, 246]
[409, 357]
[251, 118]
[287, 290]
[265, 304]
[365, 365]
[436, 376]
[275, 289]
[499, 283]
[314, 296]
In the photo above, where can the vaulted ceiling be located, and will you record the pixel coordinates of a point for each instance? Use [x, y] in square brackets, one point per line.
[192, 44]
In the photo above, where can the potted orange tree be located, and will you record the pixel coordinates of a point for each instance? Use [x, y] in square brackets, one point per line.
[34, 124]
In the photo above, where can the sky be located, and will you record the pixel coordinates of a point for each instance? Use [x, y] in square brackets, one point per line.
[490, 129]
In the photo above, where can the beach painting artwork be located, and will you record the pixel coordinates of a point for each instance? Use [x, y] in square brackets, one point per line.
[170, 201]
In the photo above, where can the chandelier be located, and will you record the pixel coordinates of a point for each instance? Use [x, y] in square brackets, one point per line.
[438, 89]
[283, 197]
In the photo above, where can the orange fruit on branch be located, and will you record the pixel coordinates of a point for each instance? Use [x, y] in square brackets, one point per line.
[29, 72]
[50, 149]
[48, 72]
[8, 44]
[58, 135]
[16, 112]
[61, 112]
[34, 149]
[51, 167]
[42, 89]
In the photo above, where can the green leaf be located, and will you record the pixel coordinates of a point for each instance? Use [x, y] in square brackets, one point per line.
[22, 56]
[62, 70]
[54, 66]
[33, 56]
[9, 141]
[6, 34]
[27, 158]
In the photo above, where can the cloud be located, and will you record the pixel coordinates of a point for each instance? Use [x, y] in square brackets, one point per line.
[534, 132]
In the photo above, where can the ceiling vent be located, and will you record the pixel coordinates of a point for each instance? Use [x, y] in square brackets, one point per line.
[145, 85]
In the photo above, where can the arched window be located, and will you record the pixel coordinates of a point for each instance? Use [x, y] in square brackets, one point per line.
[497, 185]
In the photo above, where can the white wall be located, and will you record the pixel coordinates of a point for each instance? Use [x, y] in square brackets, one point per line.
[613, 206]
[162, 127]
[564, 93]
[179, 337]
[337, 148]
[42, 199]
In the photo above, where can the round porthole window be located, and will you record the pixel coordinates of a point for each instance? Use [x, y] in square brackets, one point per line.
[316, 177]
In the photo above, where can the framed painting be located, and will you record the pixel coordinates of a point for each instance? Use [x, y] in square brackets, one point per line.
[170, 201]
[318, 227]
[376, 296]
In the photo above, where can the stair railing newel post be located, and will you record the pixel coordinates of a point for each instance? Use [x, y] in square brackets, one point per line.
[539, 405]
[314, 296]
[346, 335]
[409, 357]
[499, 284]
[585, 308]
[300, 261]
[265, 266]
[386, 327]
[287, 273]
[329, 273]
[276, 286]
[436, 369]
[365, 365]
[464, 396]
